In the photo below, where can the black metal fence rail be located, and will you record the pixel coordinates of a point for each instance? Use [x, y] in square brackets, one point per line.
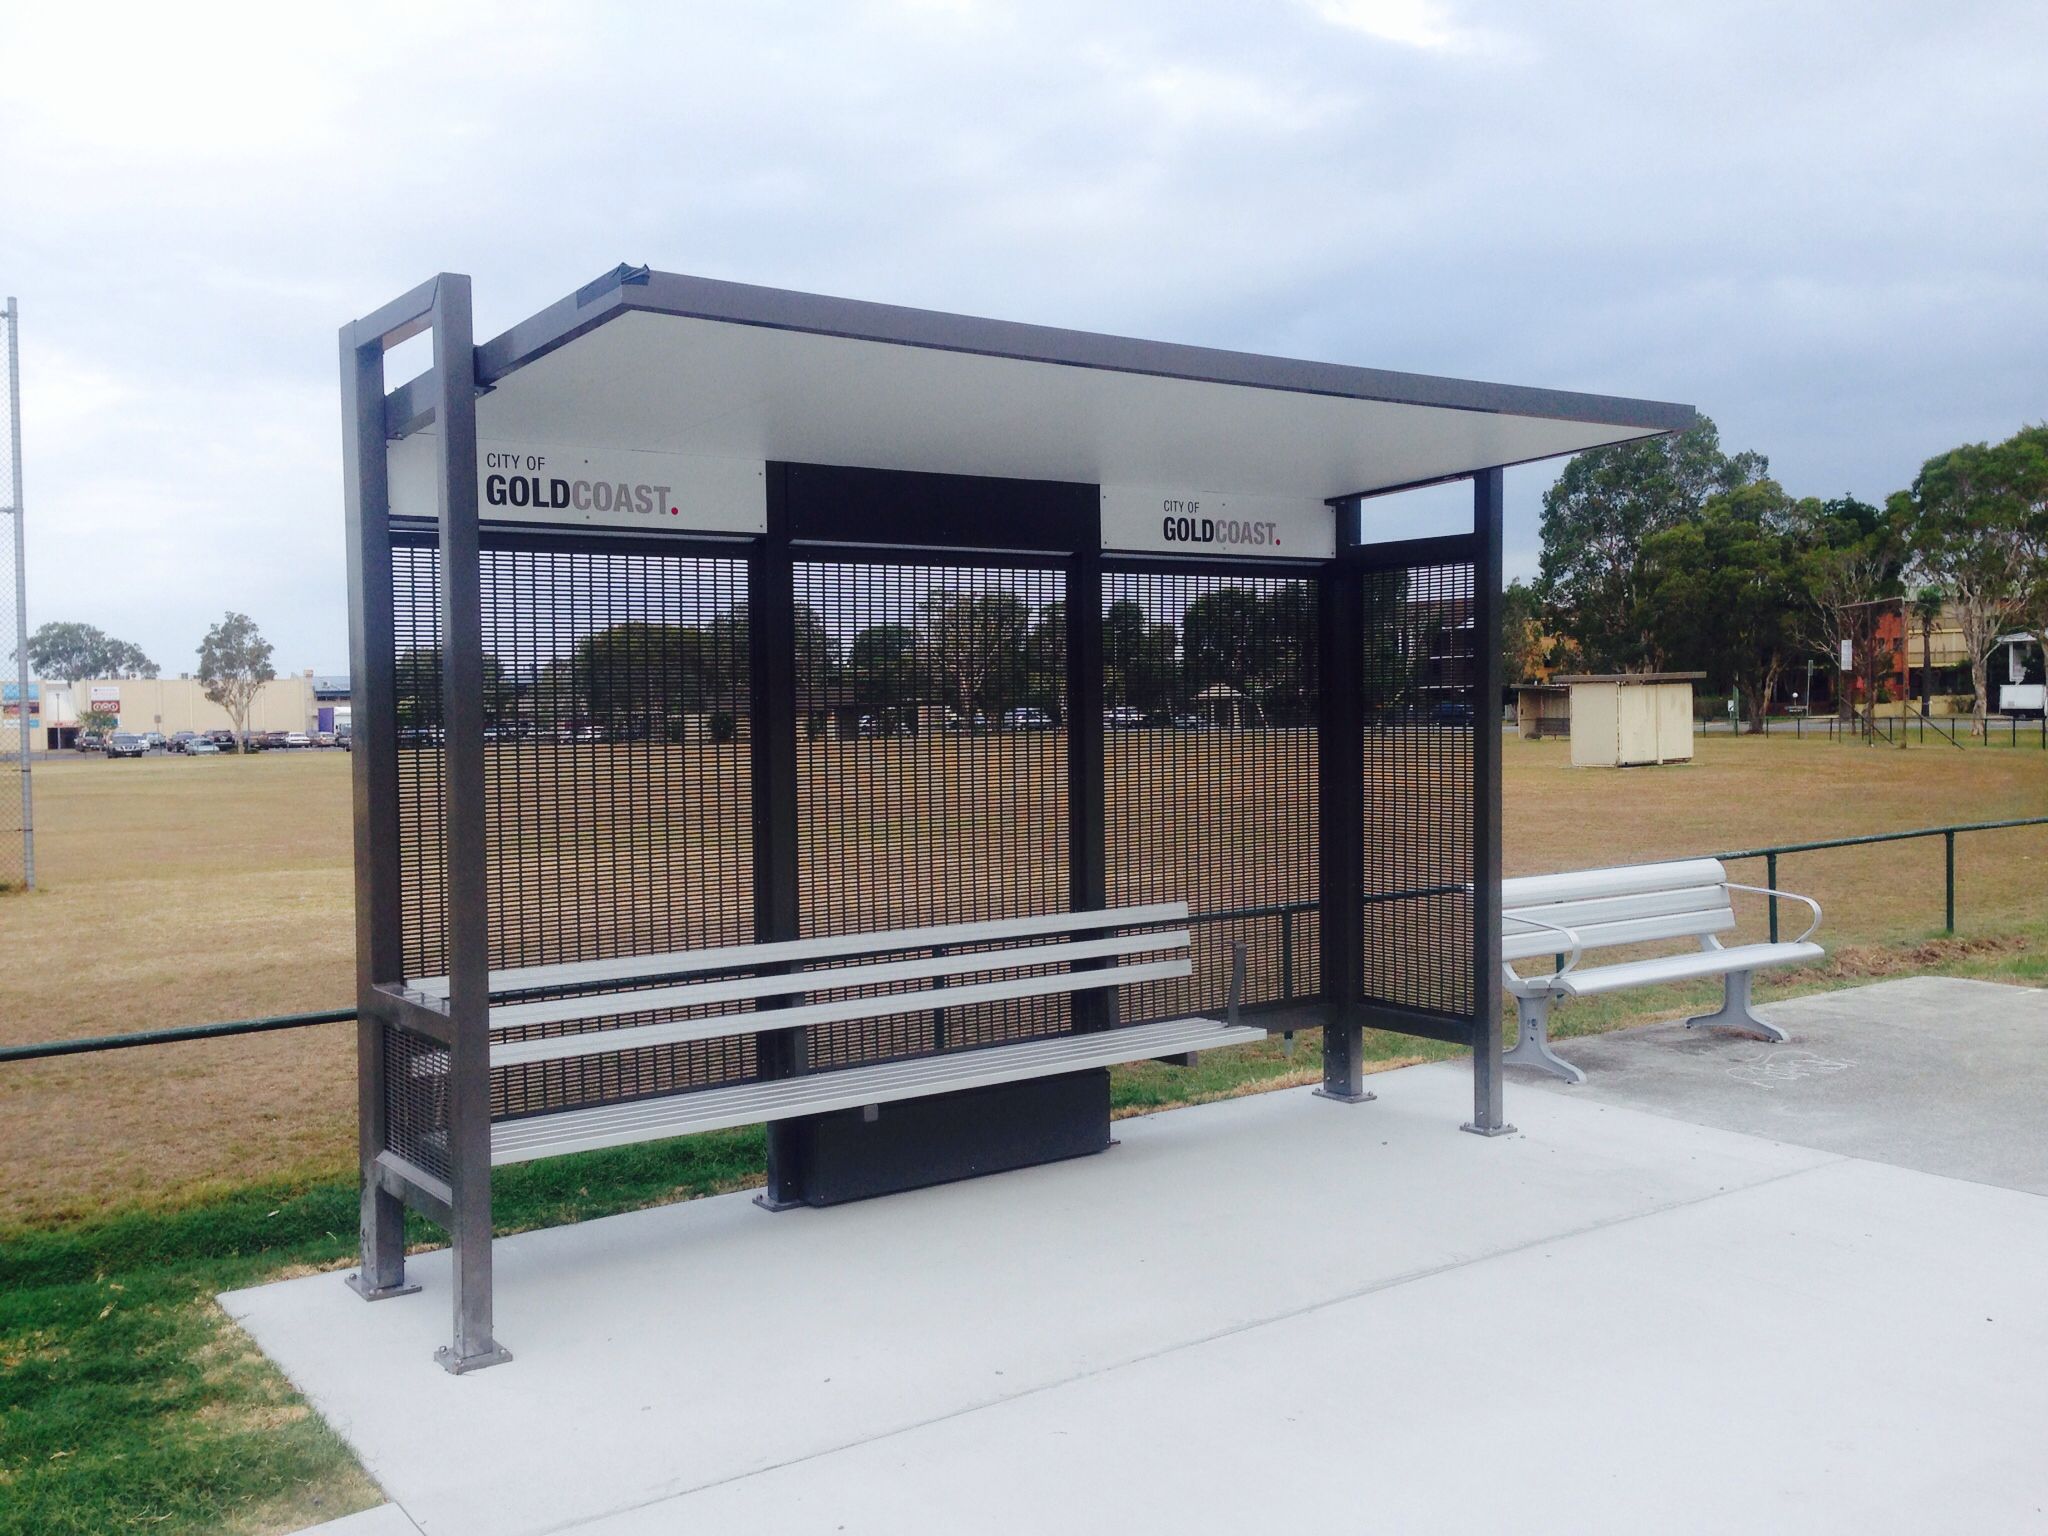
[1948, 835]
[1287, 912]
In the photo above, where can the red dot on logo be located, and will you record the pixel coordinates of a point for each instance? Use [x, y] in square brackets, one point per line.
[675, 511]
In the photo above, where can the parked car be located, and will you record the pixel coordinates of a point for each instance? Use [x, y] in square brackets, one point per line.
[222, 740]
[345, 740]
[297, 739]
[200, 746]
[1123, 717]
[92, 741]
[1451, 712]
[1026, 717]
[1186, 722]
[326, 738]
[180, 740]
[125, 744]
[154, 741]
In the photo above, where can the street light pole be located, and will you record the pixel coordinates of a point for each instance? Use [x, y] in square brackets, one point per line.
[21, 736]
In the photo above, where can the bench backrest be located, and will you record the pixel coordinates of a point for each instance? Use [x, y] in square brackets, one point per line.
[950, 966]
[1639, 903]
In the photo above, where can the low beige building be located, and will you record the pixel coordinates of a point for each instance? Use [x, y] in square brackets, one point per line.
[300, 701]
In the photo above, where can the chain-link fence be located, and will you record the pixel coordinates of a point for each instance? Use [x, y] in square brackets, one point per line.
[20, 711]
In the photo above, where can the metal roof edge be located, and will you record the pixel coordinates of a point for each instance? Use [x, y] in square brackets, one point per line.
[628, 288]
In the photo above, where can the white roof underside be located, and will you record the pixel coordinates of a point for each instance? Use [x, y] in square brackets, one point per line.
[713, 387]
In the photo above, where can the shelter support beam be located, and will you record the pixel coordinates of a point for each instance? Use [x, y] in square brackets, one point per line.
[1488, 1116]
[771, 661]
[1340, 777]
[468, 849]
[373, 771]
[1087, 763]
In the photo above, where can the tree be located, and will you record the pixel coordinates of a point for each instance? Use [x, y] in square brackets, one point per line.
[71, 653]
[1596, 519]
[974, 648]
[1852, 562]
[1045, 660]
[1975, 534]
[1138, 659]
[1522, 641]
[883, 662]
[418, 689]
[1222, 636]
[1927, 605]
[234, 664]
[1724, 587]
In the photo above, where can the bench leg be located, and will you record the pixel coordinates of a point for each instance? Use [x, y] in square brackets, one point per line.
[1734, 1012]
[1532, 1045]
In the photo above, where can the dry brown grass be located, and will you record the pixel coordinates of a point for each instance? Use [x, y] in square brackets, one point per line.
[181, 891]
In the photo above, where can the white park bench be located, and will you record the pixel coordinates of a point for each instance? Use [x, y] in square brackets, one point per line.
[1564, 916]
[801, 983]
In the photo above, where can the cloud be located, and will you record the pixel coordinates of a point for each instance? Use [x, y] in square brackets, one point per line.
[1824, 234]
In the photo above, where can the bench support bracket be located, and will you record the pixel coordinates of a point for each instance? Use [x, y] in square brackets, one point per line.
[1734, 1012]
[1532, 1047]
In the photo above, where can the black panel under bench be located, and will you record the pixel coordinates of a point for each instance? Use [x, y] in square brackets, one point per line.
[914, 1142]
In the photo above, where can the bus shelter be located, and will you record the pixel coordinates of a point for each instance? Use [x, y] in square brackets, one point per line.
[690, 614]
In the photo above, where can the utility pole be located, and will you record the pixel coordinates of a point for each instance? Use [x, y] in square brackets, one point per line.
[22, 702]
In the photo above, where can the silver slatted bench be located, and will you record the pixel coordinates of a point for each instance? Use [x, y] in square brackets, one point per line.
[803, 981]
[1569, 914]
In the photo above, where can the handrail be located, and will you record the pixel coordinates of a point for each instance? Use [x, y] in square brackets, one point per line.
[1764, 890]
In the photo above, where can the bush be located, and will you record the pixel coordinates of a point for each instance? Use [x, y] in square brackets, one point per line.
[723, 727]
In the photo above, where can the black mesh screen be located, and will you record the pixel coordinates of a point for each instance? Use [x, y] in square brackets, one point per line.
[617, 781]
[416, 1099]
[1209, 692]
[932, 771]
[1421, 710]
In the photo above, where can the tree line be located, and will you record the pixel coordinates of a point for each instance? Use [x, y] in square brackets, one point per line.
[972, 656]
[1673, 554]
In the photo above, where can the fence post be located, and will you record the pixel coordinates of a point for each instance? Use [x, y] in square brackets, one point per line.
[1771, 879]
[1287, 953]
[1949, 838]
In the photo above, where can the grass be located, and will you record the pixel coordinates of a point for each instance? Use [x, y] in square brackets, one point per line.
[141, 1185]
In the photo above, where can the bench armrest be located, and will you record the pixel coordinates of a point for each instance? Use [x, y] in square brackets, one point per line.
[1764, 890]
[1571, 942]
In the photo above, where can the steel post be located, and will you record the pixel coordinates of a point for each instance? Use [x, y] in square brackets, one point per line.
[1771, 879]
[1488, 1115]
[1087, 766]
[1948, 839]
[1340, 770]
[464, 789]
[373, 775]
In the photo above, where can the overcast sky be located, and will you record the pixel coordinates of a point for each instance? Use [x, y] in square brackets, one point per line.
[1825, 225]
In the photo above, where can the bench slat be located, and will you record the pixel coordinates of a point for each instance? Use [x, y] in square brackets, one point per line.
[604, 1042]
[1594, 884]
[1687, 967]
[562, 1010]
[1616, 909]
[613, 1125]
[690, 962]
[1643, 930]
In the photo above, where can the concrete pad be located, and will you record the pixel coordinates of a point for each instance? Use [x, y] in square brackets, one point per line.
[1944, 1075]
[674, 1350]
[1849, 1349]
[384, 1520]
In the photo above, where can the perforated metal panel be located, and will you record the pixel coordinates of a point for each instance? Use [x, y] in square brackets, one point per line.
[932, 771]
[1210, 695]
[617, 782]
[1421, 710]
